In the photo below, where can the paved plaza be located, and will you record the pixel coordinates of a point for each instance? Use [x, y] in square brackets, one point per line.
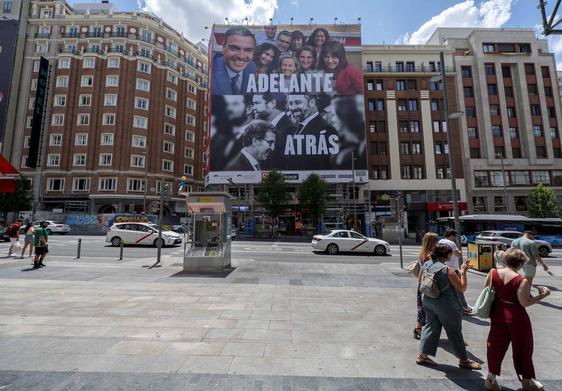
[270, 324]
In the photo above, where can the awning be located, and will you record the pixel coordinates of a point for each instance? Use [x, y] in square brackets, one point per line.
[445, 206]
[8, 176]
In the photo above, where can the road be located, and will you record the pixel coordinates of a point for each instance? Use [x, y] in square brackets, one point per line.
[96, 247]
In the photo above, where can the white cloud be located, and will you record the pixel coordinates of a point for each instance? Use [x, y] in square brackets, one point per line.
[191, 16]
[469, 13]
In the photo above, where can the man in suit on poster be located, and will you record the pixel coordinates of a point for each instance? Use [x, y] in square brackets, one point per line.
[259, 144]
[232, 69]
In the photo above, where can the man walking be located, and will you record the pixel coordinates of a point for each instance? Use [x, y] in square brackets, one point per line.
[13, 232]
[526, 243]
[41, 245]
[450, 239]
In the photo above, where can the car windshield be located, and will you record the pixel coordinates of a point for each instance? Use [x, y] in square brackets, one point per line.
[486, 233]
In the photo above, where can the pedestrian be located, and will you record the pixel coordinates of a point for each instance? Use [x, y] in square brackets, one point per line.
[13, 232]
[450, 239]
[510, 322]
[28, 231]
[527, 244]
[429, 241]
[41, 245]
[445, 311]
[499, 256]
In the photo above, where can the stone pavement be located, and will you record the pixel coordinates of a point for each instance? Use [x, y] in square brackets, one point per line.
[98, 324]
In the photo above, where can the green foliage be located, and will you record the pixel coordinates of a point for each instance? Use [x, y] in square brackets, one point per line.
[542, 202]
[20, 200]
[272, 193]
[312, 195]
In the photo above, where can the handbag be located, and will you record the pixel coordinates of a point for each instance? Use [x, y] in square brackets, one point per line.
[483, 304]
[414, 268]
[428, 284]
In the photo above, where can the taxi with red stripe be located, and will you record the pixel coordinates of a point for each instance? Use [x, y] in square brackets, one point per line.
[140, 234]
[342, 240]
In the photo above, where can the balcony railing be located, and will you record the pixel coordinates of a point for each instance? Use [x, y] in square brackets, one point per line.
[69, 51]
[94, 34]
[42, 35]
[399, 69]
[119, 34]
[75, 34]
[116, 50]
[92, 50]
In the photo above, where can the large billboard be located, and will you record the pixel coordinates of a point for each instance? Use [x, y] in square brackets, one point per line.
[8, 36]
[286, 97]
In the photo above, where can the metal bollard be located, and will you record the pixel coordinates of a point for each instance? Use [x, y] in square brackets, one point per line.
[79, 248]
[121, 251]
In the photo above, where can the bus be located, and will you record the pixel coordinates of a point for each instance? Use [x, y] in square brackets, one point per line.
[547, 229]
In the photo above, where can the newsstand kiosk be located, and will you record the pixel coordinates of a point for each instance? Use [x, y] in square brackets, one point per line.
[209, 239]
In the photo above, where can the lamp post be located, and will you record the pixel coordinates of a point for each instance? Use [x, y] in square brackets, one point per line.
[145, 180]
[353, 191]
[504, 182]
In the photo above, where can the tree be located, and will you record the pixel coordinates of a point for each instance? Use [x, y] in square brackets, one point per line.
[18, 201]
[312, 196]
[272, 194]
[543, 203]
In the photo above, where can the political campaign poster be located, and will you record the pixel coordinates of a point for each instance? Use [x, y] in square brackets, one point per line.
[286, 97]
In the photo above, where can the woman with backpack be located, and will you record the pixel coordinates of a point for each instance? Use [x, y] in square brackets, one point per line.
[429, 241]
[440, 286]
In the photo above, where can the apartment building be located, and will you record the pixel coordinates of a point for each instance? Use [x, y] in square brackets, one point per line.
[126, 108]
[407, 131]
[507, 86]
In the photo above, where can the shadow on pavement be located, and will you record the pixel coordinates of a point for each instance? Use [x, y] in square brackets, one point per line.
[476, 321]
[220, 274]
[445, 345]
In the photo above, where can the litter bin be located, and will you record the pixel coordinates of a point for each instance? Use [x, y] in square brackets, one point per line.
[481, 255]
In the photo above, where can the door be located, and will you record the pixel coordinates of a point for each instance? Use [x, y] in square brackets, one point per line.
[143, 234]
[358, 242]
[342, 240]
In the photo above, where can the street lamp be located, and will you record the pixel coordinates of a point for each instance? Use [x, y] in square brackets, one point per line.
[353, 191]
[499, 155]
[145, 153]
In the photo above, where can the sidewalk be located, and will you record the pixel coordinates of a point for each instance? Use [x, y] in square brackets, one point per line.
[265, 326]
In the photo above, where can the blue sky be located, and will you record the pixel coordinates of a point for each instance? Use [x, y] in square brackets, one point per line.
[389, 21]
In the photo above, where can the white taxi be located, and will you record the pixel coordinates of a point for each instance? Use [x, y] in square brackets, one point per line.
[140, 234]
[349, 241]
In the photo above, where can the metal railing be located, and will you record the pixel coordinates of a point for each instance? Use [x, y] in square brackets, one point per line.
[405, 69]
[42, 35]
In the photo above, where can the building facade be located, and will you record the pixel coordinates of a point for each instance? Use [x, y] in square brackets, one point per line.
[407, 132]
[507, 86]
[126, 109]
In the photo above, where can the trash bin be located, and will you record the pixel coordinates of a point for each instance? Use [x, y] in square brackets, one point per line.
[481, 255]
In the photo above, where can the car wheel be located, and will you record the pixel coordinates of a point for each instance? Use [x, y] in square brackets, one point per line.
[543, 251]
[48, 231]
[116, 241]
[156, 242]
[63, 233]
[380, 250]
[332, 249]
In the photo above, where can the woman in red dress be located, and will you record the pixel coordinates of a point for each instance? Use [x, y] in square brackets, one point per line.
[510, 322]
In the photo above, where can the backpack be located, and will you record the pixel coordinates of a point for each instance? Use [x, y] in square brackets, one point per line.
[428, 284]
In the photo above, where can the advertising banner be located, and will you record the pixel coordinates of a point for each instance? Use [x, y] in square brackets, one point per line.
[8, 36]
[286, 97]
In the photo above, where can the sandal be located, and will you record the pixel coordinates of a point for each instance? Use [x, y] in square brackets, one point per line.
[469, 364]
[421, 360]
[417, 333]
[492, 385]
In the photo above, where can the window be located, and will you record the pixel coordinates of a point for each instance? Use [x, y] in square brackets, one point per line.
[143, 67]
[89, 62]
[60, 100]
[412, 105]
[189, 136]
[143, 85]
[496, 131]
[553, 133]
[400, 85]
[438, 149]
[379, 85]
[405, 148]
[53, 160]
[85, 100]
[535, 110]
[137, 161]
[529, 69]
[79, 159]
[513, 133]
[540, 177]
[521, 203]
[189, 153]
[532, 89]
[29, 122]
[171, 94]
[105, 159]
[406, 172]
[497, 179]
[506, 72]
[418, 172]
[481, 179]
[508, 91]
[110, 100]
[403, 126]
[64, 63]
[371, 103]
[189, 119]
[62, 81]
[525, 48]
[511, 112]
[55, 184]
[415, 149]
[488, 47]
[499, 204]
[168, 147]
[494, 110]
[370, 85]
[516, 152]
[31, 103]
[191, 104]
[172, 77]
[34, 85]
[141, 103]
[402, 105]
[520, 178]
[412, 85]
[499, 152]
[414, 126]
[109, 119]
[140, 122]
[541, 152]
[136, 185]
[55, 139]
[87, 81]
[380, 105]
[139, 141]
[107, 184]
[370, 66]
[57, 120]
[191, 88]
[436, 126]
[187, 169]
[111, 81]
[410, 66]
[167, 165]
[399, 66]
[171, 112]
[489, 69]
[81, 139]
[106, 139]
[113, 62]
[468, 92]
[492, 89]
[470, 112]
[443, 173]
[83, 119]
[557, 178]
[472, 133]
[537, 130]
[435, 85]
[7, 7]
[466, 72]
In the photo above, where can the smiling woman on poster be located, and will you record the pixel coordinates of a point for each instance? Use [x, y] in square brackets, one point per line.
[265, 57]
[349, 80]
[318, 40]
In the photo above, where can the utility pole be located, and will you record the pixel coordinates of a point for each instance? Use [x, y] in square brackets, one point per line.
[164, 188]
[353, 191]
[145, 179]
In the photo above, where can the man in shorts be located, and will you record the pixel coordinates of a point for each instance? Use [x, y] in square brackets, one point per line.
[41, 245]
[13, 232]
[526, 243]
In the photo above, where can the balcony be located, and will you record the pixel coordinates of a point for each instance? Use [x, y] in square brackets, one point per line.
[43, 35]
[148, 40]
[116, 50]
[92, 50]
[94, 34]
[400, 69]
[73, 34]
[69, 51]
[119, 34]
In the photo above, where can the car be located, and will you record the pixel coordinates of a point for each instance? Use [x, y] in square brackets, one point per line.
[140, 234]
[52, 227]
[506, 237]
[349, 241]
[4, 237]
